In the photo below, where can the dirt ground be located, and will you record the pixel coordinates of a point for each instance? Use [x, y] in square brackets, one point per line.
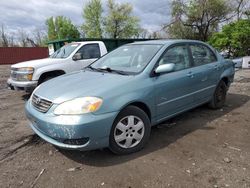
[200, 148]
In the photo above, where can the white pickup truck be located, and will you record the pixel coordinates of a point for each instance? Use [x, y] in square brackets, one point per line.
[71, 57]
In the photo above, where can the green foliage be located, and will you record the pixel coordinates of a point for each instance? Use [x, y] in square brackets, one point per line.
[178, 30]
[197, 19]
[234, 37]
[120, 23]
[92, 14]
[60, 28]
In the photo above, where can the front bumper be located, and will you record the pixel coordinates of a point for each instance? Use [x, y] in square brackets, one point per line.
[95, 129]
[21, 85]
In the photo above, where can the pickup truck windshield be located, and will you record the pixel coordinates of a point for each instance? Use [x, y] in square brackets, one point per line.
[129, 59]
[64, 51]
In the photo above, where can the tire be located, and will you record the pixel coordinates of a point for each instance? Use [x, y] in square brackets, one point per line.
[130, 131]
[219, 96]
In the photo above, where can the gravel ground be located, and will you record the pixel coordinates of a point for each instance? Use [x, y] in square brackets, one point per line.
[200, 148]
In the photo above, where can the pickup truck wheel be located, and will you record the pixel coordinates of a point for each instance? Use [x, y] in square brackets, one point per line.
[130, 131]
[219, 96]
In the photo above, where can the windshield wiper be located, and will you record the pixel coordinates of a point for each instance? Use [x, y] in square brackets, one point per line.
[108, 69]
[92, 68]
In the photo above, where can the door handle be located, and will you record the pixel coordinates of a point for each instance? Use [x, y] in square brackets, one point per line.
[190, 74]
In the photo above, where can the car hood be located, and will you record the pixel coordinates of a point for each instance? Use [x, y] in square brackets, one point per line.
[81, 84]
[37, 63]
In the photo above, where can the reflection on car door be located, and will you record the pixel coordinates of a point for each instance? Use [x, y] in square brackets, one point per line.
[207, 68]
[175, 90]
[89, 53]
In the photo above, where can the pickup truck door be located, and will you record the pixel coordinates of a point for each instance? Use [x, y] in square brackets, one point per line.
[207, 69]
[89, 53]
[174, 91]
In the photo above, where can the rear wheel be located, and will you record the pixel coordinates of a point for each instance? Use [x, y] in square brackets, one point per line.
[219, 96]
[130, 131]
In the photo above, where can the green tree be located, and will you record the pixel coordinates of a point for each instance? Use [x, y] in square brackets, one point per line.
[197, 19]
[61, 27]
[234, 37]
[92, 14]
[120, 23]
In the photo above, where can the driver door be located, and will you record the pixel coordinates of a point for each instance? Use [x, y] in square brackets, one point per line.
[89, 53]
[174, 91]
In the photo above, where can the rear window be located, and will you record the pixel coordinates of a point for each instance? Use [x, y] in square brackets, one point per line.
[202, 54]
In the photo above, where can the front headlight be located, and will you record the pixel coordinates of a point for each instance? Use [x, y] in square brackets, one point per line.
[23, 73]
[78, 106]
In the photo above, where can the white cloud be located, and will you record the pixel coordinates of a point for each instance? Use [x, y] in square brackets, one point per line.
[30, 14]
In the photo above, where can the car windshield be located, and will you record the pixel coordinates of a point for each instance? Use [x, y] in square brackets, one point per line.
[65, 51]
[128, 59]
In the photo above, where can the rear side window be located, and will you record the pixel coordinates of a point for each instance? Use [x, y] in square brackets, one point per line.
[90, 51]
[202, 55]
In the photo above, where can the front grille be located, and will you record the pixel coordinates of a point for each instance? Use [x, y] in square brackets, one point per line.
[41, 104]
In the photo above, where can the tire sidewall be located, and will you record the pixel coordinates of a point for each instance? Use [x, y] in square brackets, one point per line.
[214, 103]
[135, 111]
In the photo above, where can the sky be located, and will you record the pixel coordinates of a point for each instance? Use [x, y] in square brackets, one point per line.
[31, 14]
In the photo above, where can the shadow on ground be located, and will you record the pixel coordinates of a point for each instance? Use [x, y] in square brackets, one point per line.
[26, 96]
[163, 134]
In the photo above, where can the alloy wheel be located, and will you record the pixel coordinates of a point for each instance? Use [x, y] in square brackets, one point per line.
[129, 131]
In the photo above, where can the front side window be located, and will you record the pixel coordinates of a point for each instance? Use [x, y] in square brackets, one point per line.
[178, 55]
[130, 58]
[65, 51]
[89, 51]
[202, 54]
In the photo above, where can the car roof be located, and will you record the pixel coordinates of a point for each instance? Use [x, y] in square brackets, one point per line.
[167, 41]
[84, 42]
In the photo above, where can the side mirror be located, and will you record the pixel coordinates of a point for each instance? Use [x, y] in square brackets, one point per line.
[77, 56]
[165, 68]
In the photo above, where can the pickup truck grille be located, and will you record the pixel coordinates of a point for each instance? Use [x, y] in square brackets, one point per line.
[40, 104]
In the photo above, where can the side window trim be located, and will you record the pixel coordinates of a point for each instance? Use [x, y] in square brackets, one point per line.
[191, 59]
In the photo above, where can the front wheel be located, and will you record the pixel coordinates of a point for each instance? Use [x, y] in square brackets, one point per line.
[219, 96]
[130, 131]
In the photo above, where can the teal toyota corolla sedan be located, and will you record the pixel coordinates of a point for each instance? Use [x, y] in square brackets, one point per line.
[115, 101]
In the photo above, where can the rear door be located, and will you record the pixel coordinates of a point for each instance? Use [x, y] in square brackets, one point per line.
[174, 91]
[207, 69]
[89, 53]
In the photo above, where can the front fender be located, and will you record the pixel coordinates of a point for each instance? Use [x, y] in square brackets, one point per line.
[122, 97]
[37, 74]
